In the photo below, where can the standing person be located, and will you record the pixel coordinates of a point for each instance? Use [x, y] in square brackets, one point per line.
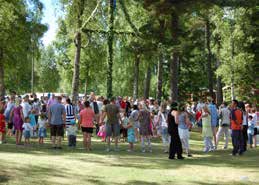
[183, 129]
[17, 118]
[27, 130]
[224, 115]
[57, 120]
[236, 127]
[214, 119]
[112, 112]
[206, 129]
[51, 101]
[162, 120]
[86, 122]
[175, 144]
[135, 114]
[130, 134]
[255, 120]
[7, 114]
[128, 106]
[250, 131]
[70, 121]
[2, 126]
[42, 131]
[95, 107]
[145, 130]
[26, 107]
[241, 106]
[36, 106]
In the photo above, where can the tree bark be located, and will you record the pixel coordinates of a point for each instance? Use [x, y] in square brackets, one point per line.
[147, 83]
[110, 50]
[136, 77]
[219, 82]
[174, 76]
[76, 72]
[209, 69]
[175, 58]
[2, 84]
[78, 43]
[160, 64]
[160, 78]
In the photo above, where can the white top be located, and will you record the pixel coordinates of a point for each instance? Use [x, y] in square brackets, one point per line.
[163, 119]
[71, 130]
[225, 116]
[42, 123]
[100, 106]
[26, 108]
[27, 127]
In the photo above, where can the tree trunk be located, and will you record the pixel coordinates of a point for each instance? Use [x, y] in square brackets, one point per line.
[136, 77]
[209, 69]
[2, 85]
[76, 72]
[232, 70]
[219, 83]
[78, 43]
[160, 64]
[174, 76]
[147, 83]
[160, 78]
[175, 58]
[110, 50]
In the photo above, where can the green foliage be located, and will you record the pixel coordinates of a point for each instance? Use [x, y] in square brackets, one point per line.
[20, 31]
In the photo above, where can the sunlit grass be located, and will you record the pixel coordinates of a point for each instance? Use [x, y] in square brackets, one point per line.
[42, 165]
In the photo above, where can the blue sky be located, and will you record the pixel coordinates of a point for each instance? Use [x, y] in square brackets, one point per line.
[50, 18]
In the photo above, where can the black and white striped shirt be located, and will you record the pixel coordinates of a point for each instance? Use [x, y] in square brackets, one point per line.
[70, 116]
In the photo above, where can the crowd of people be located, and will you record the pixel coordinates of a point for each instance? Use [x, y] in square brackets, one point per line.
[124, 119]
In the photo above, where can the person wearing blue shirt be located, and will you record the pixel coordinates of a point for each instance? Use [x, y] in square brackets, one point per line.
[214, 119]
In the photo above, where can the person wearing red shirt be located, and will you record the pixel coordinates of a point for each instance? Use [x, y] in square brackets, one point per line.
[236, 118]
[2, 126]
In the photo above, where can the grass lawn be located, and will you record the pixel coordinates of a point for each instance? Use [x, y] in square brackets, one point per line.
[41, 165]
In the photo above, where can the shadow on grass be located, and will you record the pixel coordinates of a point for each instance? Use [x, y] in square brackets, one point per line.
[155, 160]
[4, 179]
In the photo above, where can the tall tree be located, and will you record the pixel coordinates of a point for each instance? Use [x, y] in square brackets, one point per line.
[110, 48]
[175, 57]
[136, 76]
[209, 56]
[80, 4]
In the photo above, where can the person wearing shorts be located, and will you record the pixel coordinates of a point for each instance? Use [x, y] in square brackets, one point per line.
[86, 122]
[57, 120]
[112, 112]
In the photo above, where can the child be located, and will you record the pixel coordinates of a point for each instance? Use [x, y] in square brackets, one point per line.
[27, 130]
[33, 123]
[42, 128]
[125, 121]
[2, 126]
[131, 134]
[71, 134]
[206, 129]
[250, 130]
[102, 133]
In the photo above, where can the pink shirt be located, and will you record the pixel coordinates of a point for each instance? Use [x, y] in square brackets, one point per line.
[87, 117]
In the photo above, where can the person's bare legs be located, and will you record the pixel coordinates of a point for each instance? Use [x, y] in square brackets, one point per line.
[108, 140]
[116, 140]
[59, 141]
[53, 139]
[214, 131]
[85, 140]
[89, 141]
[255, 141]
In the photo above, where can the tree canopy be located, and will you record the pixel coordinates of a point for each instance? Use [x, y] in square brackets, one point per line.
[163, 49]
